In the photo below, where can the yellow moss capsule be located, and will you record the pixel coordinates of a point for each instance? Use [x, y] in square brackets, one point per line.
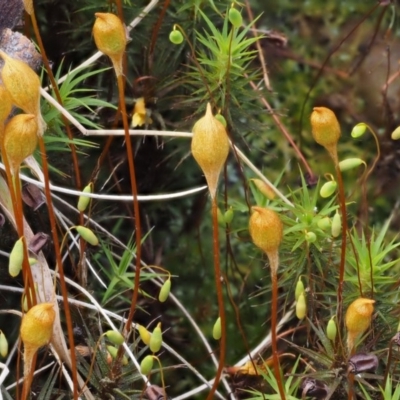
[144, 334]
[327, 189]
[265, 189]
[217, 329]
[110, 37]
[156, 339]
[299, 289]
[3, 345]
[146, 365]
[37, 325]
[331, 329]
[210, 148]
[396, 134]
[114, 337]
[325, 129]
[20, 139]
[350, 163]
[84, 201]
[358, 130]
[266, 229]
[336, 227]
[164, 291]
[16, 258]
[23, 85]
[301, 306]
[87, 234]
[358, 319]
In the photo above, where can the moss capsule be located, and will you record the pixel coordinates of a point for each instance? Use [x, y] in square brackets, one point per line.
[156, 339]
[16, 258]
[217, 329]
[146, 365]
[176, 37]
[87, 234]
[164, 291]
[235, 18]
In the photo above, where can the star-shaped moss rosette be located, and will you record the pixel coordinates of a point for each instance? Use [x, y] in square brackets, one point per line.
[13, 43]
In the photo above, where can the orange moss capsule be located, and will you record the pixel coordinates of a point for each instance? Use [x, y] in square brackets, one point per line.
[20, 139]
[23, 85]
[210, 148]
[326, 129]
[358, 319]
[110, 37]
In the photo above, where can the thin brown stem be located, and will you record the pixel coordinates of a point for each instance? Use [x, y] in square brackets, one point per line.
[132, 173]
[274, 262]
[220, 297]
[60, 266]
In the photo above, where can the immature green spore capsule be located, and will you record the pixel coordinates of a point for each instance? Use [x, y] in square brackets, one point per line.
[156, 339]
[221, 119]
[301, 307]
[114, 337]
[358, 130]
[84, 201]
[164, 291]
[228, 215]
[264, 188]
[350, 163]
[235, 18]
[331, 329]
[396, 134]
[299, 289]
[327, 189]
[176, 36]
[146, 365]
[217, 329]
[16, 258]
[336, 227]
[310, 237]
[87, 234]
[210, 148]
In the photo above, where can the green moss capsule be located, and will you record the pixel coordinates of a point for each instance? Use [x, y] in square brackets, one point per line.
[358, 130]
[235, 18]
[146, 365]
[336, 227]
[301, 307]
[331, 329]
[221, 119]
[84, 201]
[350, 163]
[327, 189]
[217, 329]
[176, 37]
[156, 339]
[164, 291]
[299, 289]
[16, 258]
[311, 237]
[144, 334]
[114, 337]
[228, 216]
[3, 345]
[87, 234]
